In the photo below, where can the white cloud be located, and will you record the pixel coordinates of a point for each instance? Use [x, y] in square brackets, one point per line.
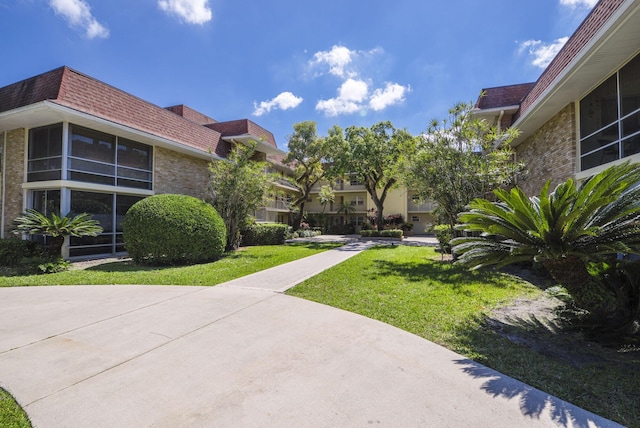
[190, 11]
[390, 95]
[542, 53]
[338, 58]
[351, 94]
[284, 101]
[579, 3]
[78, 15]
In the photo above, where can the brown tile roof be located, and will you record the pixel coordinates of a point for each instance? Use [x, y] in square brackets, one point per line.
[241, 127]
[191, 114]
[598, 16]
[181, 124]
[503, 96]
[29, 91]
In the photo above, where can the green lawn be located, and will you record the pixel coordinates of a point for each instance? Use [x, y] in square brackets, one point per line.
[410, 288]
[234, 265]
[11, 414]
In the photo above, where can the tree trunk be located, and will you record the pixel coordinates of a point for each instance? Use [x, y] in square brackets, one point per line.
[298, 218]
[55, 247]
[587, 292]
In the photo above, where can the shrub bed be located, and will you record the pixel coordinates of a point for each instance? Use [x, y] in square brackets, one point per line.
[173, 229]
[388, 233]
[13, 251]
[264, 234]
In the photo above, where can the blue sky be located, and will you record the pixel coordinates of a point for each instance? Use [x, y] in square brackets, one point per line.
[348, 62]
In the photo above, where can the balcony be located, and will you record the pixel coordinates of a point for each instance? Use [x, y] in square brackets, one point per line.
[425, 207]
[278, 205]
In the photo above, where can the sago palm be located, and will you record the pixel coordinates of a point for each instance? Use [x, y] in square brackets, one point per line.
[57, 227]
[564, 230]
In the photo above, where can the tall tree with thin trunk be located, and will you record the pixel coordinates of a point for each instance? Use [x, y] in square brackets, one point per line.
[309, 157]
[238, 187]
[375, 156]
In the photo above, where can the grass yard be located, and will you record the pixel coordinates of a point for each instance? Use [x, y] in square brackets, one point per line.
[234, 265]
[11, 414]
[410, 288]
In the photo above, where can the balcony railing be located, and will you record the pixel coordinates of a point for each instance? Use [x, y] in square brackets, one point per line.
[424, 207]
[278, 205]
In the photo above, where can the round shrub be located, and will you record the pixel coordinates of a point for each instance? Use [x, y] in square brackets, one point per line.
[173, 229]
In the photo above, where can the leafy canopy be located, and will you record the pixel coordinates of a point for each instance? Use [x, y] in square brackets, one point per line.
[461, 158]
[375, 156]
[238, 187]
[308, 155]
[33, 222]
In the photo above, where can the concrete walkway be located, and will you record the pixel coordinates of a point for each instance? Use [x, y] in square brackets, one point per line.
[242, 354]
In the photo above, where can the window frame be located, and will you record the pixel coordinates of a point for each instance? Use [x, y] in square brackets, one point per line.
[615, 147]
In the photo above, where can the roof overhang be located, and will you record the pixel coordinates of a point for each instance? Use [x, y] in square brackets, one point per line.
[261, 145]
[615, 43]
[48, 112]
[490, 113]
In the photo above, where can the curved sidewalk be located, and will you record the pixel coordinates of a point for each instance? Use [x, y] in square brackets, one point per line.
[242, 354]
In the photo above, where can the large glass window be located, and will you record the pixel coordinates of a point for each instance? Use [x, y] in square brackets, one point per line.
[45, 153]
[46, 202]
[109, 210]
[101, 158]
[610, 118]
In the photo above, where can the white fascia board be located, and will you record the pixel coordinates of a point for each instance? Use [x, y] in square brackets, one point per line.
[627, 10]
[47, 112]
[261, 146]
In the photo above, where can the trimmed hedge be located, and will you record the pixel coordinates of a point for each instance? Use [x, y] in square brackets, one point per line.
[13, 251]
[264, 234]
[173, 229]
[387, 233]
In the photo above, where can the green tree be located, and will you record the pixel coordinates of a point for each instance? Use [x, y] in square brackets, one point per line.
[57, 227]
[376, 156]
[347, 209]
[326, 195]
[238, 187]
[564, 230]
[308, 155]
[459, 159]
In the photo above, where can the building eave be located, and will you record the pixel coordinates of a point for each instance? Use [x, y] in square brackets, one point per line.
[608, 49]
[261, 146]
[48, 112]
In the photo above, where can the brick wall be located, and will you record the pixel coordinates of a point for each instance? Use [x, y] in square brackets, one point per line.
[178, 173]
[14, 175]
[550, 153]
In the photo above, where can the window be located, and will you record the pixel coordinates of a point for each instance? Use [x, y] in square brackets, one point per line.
[45, 153]
[46, 202]
[356, 201]
[109, 210]
[101, 158]
[610, 118]
[415, 219]
[357, 220]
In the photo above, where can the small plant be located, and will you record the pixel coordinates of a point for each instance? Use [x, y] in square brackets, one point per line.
[57, 227]
[444, 236]
[407, 227]
[58, 265]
